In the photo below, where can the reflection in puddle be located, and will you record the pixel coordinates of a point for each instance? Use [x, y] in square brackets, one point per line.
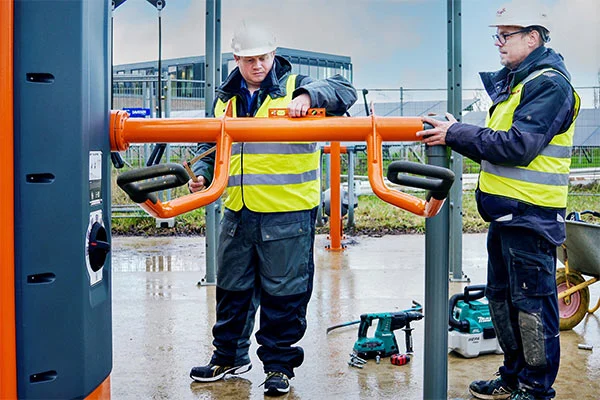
[158, 263]
[156, 288]
[157, 254]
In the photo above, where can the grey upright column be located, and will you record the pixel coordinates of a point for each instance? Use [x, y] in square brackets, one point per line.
[212, 62]
[456, 160]
[435, 366]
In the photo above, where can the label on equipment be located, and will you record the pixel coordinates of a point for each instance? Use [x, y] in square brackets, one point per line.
[95, 178]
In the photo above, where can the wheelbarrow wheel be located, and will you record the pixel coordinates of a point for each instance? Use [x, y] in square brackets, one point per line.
[573, 308]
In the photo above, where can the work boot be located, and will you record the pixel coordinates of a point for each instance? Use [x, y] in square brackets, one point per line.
[212, 372]
[521, 395]
[276, 384]
[491, 390]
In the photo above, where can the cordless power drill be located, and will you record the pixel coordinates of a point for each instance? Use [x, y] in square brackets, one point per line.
[384, 344]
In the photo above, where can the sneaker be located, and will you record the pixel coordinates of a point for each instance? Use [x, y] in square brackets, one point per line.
[276, 384]
[212, 372]
[521, 395]
[490, 390]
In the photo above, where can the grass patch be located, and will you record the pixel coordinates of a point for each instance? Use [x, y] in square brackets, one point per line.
[372, 217]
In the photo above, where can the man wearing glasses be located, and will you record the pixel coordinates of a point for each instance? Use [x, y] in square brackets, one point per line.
[525, 156]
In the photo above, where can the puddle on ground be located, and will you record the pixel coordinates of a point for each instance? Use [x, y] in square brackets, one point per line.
[157, 254]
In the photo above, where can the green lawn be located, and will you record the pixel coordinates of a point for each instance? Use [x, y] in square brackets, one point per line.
[371, 216]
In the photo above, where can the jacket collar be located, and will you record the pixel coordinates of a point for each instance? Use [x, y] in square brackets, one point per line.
[499, 84]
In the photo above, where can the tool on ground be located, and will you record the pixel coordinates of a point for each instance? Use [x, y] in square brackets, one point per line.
[384, 344]
[188, 164]
[585, 346]
[400, 359]
[356, 361]
[416, 307]
[471, 331]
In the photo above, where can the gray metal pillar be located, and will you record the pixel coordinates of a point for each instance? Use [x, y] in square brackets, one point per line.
[456, 160]
[350, 154]
[168, 97]
[213, 79]
[435, 365]
[320, 207]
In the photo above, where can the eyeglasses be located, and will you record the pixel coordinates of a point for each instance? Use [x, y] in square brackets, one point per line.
[503, 37]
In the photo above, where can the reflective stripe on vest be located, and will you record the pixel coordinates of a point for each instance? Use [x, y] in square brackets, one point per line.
[544, 182]
[272, 176]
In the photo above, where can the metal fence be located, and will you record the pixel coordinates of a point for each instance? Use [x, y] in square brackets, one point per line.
[179, 97]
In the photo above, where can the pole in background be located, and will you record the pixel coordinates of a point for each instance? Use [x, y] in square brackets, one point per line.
[456, 160]
[212, 62]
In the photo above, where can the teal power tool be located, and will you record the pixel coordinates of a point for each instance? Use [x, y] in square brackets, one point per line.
[383, 344]
[471, 331]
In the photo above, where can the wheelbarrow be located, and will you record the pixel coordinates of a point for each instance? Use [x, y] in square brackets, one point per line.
[580, 253]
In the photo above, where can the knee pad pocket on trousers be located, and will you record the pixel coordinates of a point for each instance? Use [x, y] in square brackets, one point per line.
[504, 331]
[533, 338]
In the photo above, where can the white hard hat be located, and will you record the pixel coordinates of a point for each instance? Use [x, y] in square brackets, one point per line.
[251, 39]
[522, 13]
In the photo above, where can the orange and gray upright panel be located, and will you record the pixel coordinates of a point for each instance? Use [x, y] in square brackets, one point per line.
[55, 277]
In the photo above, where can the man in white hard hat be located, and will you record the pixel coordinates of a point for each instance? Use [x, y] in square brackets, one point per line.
[525, 156]
[265, 252]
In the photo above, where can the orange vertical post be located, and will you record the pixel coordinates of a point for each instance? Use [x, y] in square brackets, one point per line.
[8, 344]
[335, 206]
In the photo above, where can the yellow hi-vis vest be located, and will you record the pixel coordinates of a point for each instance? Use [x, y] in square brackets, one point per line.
[272, 177]
[544, 182]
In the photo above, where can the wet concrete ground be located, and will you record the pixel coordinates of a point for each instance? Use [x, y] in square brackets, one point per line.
[162, 324]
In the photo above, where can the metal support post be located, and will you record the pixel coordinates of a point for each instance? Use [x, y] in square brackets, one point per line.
[213, 78]
[435, 365]
[351, 152]
[320, 207]
[335, 204]
[456, 160]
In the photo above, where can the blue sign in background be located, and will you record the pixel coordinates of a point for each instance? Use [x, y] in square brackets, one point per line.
[137, 112]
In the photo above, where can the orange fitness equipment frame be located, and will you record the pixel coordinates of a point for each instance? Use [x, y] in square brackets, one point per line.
[225, 130]
[8, 361]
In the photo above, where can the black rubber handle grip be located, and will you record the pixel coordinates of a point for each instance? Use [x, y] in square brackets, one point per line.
[139, 184]
[438, 186]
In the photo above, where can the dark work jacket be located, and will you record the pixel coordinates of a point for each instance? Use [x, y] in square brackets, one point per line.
[546, 109]
[335, 94]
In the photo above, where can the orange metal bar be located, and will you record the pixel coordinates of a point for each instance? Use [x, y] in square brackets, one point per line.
[227, 130]
[125, 130]
[8, 344]
[335, 208]
[327, 149]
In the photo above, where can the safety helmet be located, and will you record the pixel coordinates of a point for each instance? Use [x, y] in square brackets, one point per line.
[251, 39]
[524, 14]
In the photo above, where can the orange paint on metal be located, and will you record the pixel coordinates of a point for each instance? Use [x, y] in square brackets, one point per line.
[226, 130]
[8, 346]
[327, 149]
[125, 130]
[196, 200]
[102, 392]
[335, 211]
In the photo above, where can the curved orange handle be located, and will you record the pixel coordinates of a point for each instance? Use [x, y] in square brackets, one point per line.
[399, 199]
[196, 200]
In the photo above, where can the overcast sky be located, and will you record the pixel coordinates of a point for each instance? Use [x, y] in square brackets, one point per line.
[392, 43]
